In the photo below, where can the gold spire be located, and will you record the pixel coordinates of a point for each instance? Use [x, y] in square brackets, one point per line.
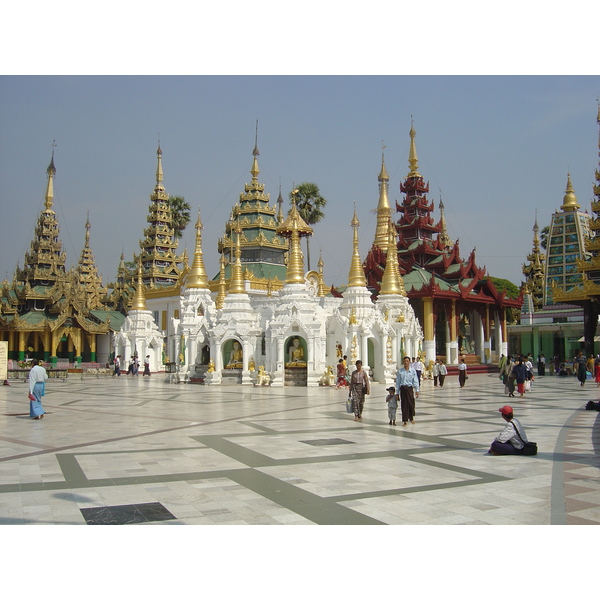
[280, 207]
[236, 283]
[443, 235]
[391, 282]
[383, 209]
[255, 171]
[51, 171]
[413, 161]
[139, 299]
[570, 199]
[159, 170]
[220, 299]
[322, 290]
[197, 277]
[294, 228]
[356, 278]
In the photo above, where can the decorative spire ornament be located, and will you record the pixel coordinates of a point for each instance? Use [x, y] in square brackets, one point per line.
[294, 228]
[383, 208]
[356, 278]
[391, 282]
[236, 284]
[220, 299]
[197, 277]
[139, 299]
[413, 160]
[570, 199]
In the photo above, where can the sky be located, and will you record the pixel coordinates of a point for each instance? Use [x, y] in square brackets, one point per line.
[504, 102]
[495, 149]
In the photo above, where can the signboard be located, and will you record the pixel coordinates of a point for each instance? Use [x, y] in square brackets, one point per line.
[3, 360]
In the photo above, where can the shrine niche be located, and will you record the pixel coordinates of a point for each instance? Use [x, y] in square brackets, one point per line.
[233, 355]
[296, 353]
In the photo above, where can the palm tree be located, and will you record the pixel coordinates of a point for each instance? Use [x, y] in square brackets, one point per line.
[544, 236]
[180, 214]
[309, 203]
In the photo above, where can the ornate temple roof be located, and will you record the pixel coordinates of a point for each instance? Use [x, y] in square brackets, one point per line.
[428, 260]
[262, 248]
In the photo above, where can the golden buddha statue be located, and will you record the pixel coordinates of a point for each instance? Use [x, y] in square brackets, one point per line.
[296, 355]
[235, 357]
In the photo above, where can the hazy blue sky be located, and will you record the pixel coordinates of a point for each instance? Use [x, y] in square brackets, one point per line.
[494, 142]
[495, 148]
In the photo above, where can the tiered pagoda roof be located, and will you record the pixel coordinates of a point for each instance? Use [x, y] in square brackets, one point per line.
[535, 271]
[161, 267]
[44, 296]
[429, 262]
[262, 249]
[588, 266]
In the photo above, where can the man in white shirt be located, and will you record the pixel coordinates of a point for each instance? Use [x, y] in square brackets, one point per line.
[407, 386]
[37, 384]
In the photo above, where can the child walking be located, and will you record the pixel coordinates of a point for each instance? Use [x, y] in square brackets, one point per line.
[392, 402]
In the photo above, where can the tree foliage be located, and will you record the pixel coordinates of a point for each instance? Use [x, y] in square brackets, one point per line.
[309, 203]
[544, 236]
[512, 291]
[180, 214]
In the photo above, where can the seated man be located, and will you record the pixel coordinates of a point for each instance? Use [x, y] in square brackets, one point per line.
[512, 439]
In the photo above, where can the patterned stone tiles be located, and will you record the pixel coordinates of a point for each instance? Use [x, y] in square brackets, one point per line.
[293, 456]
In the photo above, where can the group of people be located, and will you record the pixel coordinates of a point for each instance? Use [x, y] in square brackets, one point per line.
[510, 441]
[516, 371]
[134, 365]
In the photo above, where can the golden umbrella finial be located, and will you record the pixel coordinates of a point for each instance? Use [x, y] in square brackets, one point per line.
[197, 277]
[391, 282]
[236, 284]
[139, 299]
[356, 278]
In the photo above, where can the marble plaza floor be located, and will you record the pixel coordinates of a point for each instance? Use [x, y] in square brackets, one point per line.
[138, 450]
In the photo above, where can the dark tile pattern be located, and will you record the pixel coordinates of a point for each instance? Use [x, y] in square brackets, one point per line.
[126, 514]
[326, 442]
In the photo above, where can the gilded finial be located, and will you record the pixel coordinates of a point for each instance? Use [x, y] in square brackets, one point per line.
[197, 277]
[413, 160]
[391, 282]
[236, 283]
[51, 172]
[220, 299]
[139, 299]
[383, 208]
[570, 199]
[255, 171]
[294, 228]
[356, 278]
[322, 289]
[444, 238]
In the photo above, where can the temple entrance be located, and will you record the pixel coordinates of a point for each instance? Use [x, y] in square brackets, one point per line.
[296, 371]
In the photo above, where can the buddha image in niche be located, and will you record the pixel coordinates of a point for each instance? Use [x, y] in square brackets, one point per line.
[296, 355]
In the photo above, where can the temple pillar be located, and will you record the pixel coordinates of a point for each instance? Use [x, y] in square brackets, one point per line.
[487, 350]
[22, 335]
[278, 375]
[246, 352]
[452, 349]
[92, 338]
[428, 330]
[13, 352]
[503, 331]
[364, 351]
